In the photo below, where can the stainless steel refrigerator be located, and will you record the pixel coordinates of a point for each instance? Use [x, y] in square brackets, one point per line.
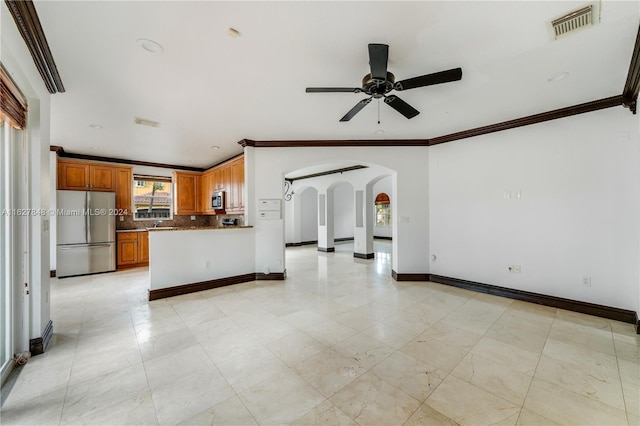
[86, 233]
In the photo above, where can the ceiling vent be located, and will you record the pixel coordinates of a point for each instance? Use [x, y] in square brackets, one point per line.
[144, 122]
[573, 21]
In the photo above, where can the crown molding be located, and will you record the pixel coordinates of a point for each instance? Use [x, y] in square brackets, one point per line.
[28, 23]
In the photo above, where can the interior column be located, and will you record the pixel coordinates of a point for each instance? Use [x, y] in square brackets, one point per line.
[363, 232]
[325, 221]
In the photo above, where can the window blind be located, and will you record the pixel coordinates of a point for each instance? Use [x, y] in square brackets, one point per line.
[13, 106]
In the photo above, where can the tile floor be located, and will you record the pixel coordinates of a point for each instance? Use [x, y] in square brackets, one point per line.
[339, 342]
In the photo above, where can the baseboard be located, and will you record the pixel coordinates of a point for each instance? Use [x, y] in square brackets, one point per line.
[364, 256]
[302, 243]
[52, 274]
[38, 345]
[327, 249]
[199, 286]
[602, 311]
[339, 240]
[409, 277]
[271, 276]
[382, 238]
[208, 285]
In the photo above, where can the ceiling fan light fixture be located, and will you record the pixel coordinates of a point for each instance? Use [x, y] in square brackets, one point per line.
[95, 126]
[214, 147]
[379, 132]
[150, 46]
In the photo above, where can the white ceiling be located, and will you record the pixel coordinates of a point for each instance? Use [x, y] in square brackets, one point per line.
[208, 88]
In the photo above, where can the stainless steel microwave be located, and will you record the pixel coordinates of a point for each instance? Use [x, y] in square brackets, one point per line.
[217, 200]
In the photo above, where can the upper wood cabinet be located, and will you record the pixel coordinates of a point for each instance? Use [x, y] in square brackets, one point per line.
[236, 186]
[187, 193]
[124, 182]
[76, 175]
[227, 177]
[73, 175]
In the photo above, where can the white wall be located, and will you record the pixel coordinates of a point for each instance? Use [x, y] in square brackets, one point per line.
[406, 165]
[309, 215]
[53, 188]
[191, 256]
[577, 215]
[343, 213]
[383, 185]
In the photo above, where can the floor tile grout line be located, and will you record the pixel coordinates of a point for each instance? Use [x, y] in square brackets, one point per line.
[535, 370]
[615, 351]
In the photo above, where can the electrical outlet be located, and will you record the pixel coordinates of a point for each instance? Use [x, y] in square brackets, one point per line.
[586, 281]
[121, 218]
[193, 218]
[514, 269]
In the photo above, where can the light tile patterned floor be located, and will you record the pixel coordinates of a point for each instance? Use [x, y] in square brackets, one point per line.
[338, 343]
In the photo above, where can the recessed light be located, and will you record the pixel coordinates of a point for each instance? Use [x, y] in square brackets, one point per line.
[191, 161]
[379, 132]
[215, 147]
[94, 148]
[557, 76]
[150, 46]
[233, 33]
[95, 126]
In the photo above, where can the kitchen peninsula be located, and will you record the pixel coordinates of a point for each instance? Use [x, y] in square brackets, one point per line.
[185, 260]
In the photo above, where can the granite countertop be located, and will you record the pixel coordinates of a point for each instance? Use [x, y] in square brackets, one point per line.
[181, 228]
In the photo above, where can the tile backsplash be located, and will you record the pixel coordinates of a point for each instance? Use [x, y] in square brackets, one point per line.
[178, 221]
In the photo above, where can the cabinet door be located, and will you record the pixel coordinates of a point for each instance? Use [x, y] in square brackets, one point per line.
[143, 247]
[73, 176]
[237, 184]
[127, 248]
[102, 178]
[186, 193]
[208, 188]
[226, 184]
[123, 189]
[240, 183]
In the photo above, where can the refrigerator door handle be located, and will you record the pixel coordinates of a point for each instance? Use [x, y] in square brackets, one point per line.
[99, 245]
[88, 216]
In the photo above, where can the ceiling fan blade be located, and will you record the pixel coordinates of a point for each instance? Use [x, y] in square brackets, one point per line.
[356, 109]
[378, 59]
[333, 90]
[401, 106]
[430, 79]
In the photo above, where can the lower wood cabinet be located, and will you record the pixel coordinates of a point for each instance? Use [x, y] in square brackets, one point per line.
[133, 249]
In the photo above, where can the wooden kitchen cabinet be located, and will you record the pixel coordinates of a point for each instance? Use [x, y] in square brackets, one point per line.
[227, 177]
[80, 176]
[133, 249]
[124, 184]
[143, 247]
[187, 193]
[237, 185]
[127, 249]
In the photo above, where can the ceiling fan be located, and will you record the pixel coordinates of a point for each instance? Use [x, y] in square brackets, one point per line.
[380, 82]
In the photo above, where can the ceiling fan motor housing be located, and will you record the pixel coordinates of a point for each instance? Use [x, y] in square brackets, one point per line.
[377, 87]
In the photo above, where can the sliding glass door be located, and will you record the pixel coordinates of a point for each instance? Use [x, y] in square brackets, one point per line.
[13, 224]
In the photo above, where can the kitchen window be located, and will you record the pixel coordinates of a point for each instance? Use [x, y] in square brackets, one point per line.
[152, 198]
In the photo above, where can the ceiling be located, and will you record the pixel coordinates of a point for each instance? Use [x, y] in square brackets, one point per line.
[210, 89]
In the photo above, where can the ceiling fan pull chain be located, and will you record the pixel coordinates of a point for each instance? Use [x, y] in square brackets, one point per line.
[378, 110]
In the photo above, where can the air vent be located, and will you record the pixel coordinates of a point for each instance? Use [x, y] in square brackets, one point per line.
[573, 21]
[144, 122]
